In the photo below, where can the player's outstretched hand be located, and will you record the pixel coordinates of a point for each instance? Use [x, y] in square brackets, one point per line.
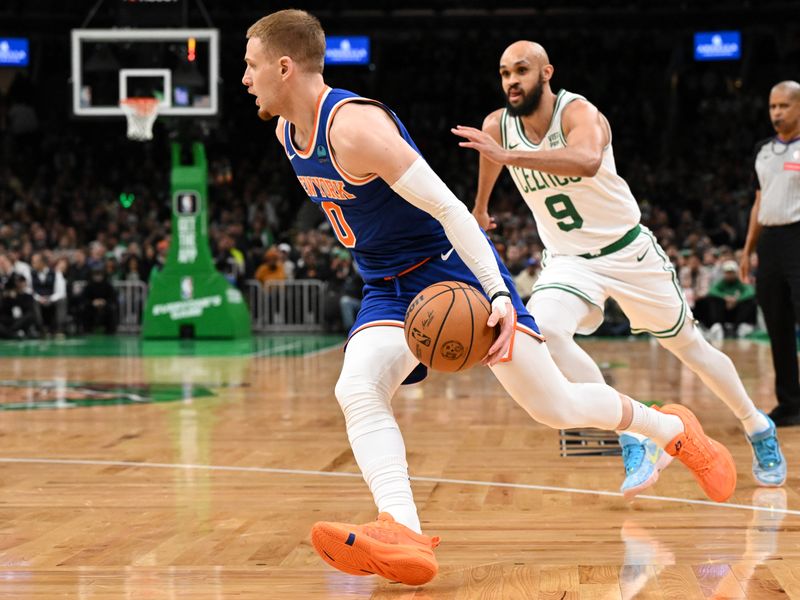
[502, 312]
[482, 142]
[485, 220]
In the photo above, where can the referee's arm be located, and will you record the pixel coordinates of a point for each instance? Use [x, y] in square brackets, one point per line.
[753, 232]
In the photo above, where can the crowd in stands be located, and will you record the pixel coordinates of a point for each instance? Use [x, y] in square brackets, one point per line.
[683, 140]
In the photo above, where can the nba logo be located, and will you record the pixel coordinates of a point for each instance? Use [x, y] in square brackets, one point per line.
[187, 288]
[187, 202]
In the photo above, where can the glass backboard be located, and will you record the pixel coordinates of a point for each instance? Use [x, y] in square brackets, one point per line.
[180, 67]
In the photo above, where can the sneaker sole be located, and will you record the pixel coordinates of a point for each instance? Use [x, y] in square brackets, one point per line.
[358, 557]
[765, 484]
[662, 463]
[725, 455]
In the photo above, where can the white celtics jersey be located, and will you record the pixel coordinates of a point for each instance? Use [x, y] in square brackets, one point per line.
[574, 215]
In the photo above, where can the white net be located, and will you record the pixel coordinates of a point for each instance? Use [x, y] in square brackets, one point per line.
[141, 113]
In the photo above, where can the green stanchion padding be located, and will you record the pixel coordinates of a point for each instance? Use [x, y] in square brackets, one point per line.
[189, 297]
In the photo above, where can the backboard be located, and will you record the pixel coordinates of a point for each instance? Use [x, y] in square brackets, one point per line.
[178, 66]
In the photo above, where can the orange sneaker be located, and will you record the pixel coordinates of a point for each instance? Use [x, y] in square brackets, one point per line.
[709, 461]
[382, 547]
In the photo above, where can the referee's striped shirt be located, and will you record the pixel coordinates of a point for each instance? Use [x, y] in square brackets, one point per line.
[777, 166]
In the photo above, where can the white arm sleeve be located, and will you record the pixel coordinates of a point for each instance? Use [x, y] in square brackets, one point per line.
[420, 186]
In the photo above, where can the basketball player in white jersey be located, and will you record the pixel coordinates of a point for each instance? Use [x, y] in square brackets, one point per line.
[557, 148]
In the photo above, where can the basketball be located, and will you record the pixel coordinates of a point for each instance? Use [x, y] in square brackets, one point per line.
[445, 326]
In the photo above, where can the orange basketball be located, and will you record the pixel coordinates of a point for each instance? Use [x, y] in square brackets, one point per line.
[446, 326]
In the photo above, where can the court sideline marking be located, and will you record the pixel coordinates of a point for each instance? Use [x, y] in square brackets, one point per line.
[519, 486]
[270, 352]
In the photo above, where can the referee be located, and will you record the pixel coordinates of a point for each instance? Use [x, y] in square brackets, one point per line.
[775, 228]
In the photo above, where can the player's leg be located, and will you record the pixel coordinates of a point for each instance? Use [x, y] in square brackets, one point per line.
[776, 293]
[376, 362]
[548, 397]
[559, 314]
[648, 293]
[717, 371]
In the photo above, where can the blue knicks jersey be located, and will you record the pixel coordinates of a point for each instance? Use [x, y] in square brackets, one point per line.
[385, 233]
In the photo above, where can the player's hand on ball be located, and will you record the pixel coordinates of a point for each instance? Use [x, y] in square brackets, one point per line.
[502, 313]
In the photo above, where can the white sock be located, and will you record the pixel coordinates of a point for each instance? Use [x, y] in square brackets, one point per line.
[387, 475]
[755, 423]
[649, 422]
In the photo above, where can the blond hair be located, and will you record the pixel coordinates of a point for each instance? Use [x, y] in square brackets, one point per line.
[293, 33]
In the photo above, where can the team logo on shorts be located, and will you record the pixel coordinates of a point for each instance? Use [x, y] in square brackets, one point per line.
[452, 350]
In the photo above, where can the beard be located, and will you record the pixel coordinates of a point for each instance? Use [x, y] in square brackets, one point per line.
[530, 101]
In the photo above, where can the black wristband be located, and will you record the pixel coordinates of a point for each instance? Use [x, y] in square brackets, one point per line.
[498, 294]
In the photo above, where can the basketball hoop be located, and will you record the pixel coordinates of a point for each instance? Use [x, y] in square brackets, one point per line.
[141, 113]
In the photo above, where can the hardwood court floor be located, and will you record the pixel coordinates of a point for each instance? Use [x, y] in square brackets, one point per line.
[209, 493]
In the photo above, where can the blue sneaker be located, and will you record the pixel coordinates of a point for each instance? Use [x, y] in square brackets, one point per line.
[769, 464]
[643, 462]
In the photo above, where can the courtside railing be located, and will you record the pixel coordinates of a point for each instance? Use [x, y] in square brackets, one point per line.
[278, 306]
[132, 296]
[287, 305]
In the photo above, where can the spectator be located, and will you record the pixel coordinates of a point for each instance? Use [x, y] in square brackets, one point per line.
[272, 267]
[311, 266]
[20, 266]
[77, 276]
[78, 269]
[730, 304]
[230, 260]
[99, 304]
[515, 260]
[527, 278]
[132, 269]
[110, 266]
[288, 265]
[344, 288]
[6, 270]
[50, 293]
[695, 279]
[18, 315]
[97, 255]
[159, 258]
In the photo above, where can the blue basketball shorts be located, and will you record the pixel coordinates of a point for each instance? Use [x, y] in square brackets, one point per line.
[385, 301]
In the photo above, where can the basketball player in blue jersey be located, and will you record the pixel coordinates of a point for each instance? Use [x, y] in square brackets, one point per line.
[557, 148]
[406, 230]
